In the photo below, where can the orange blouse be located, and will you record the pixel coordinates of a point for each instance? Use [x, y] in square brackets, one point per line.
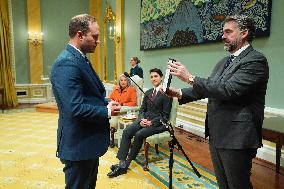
[126, 98]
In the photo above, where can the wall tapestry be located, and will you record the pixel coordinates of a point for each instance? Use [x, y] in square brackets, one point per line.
[173, 23]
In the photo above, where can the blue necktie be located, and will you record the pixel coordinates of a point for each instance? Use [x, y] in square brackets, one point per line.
[229, 61]
[87, 60]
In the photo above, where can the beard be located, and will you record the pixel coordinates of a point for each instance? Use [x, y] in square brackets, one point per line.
[232, 46]
[88, 48]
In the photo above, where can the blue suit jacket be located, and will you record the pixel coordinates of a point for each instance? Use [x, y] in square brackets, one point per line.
[83, 125]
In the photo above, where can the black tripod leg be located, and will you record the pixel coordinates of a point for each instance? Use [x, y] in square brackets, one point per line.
[171, 163]
[184, 154]
[112, 131]
[172, 144]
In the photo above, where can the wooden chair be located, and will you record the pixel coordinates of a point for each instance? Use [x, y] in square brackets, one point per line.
[2, 101]
[160, 138]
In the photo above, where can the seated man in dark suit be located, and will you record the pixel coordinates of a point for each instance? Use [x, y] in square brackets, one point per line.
[155, 106]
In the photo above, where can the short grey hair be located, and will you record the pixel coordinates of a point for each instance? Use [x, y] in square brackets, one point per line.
[245, 23]
[80, 23]
[127, 79]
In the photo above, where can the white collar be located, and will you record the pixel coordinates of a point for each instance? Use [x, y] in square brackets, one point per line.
[157, 88]
[238, 52]
[134, 66]
[78, 50]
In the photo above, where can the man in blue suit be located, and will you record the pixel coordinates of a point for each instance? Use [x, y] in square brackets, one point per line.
[83, 124]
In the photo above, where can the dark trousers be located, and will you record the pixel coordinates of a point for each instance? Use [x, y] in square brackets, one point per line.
[80, 174]
[232, 167]
[139, 133]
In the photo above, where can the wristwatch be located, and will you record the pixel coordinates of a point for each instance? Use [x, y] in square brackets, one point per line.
[190, 79]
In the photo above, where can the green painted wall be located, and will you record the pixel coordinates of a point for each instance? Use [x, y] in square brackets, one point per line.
[200, 59]
[19, 14]
[55, 17]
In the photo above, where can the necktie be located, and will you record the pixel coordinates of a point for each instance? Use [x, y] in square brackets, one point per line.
[154, 94]
[229, 61]
[87, 60]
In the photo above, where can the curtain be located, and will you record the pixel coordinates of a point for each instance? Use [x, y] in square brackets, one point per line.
[6, 74]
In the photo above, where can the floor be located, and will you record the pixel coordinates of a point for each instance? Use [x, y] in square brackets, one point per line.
[263, 172]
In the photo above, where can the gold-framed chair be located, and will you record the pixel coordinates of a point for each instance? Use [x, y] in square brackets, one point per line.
[160, 138]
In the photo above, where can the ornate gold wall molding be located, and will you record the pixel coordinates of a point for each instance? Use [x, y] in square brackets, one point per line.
[117, 17]
[109, 18]
[98, 62]
[120, 29]
[12, 48]
[96, 58]
[35, 51]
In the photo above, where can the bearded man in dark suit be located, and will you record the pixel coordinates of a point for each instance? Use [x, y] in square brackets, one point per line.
[236, 92]
[84, 112]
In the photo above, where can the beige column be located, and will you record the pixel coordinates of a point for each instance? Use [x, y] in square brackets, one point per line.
[95, 7]
[35, 45]
[119, 42]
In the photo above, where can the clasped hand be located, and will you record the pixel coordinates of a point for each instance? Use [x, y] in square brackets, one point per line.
[145, 123]
[114, 107]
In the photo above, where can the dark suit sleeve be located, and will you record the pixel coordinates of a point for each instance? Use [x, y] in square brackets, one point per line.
[247, 77]
[166, 110]
[143, 108]
[69, 87]
[189, 95]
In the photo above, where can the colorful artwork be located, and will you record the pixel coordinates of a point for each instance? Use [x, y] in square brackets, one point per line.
[173, 23]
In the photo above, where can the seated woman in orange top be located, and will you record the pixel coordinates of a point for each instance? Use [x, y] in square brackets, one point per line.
[124, 94]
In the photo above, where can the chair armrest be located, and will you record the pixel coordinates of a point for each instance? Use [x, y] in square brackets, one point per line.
[125, 109]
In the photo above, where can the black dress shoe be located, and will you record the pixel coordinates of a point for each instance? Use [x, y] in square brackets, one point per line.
[112, 168]
[116, 172]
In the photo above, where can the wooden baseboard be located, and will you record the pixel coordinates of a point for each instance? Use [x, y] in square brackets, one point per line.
[50, 107]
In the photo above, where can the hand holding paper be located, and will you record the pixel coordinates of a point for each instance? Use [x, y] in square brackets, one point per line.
[168, 77]
[179, 70]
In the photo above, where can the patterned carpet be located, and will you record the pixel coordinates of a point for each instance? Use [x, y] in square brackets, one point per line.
[27, 159]
[183, 175]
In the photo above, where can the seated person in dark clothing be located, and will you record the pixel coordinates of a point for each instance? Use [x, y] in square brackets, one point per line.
[135, 68]
[147, 124]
